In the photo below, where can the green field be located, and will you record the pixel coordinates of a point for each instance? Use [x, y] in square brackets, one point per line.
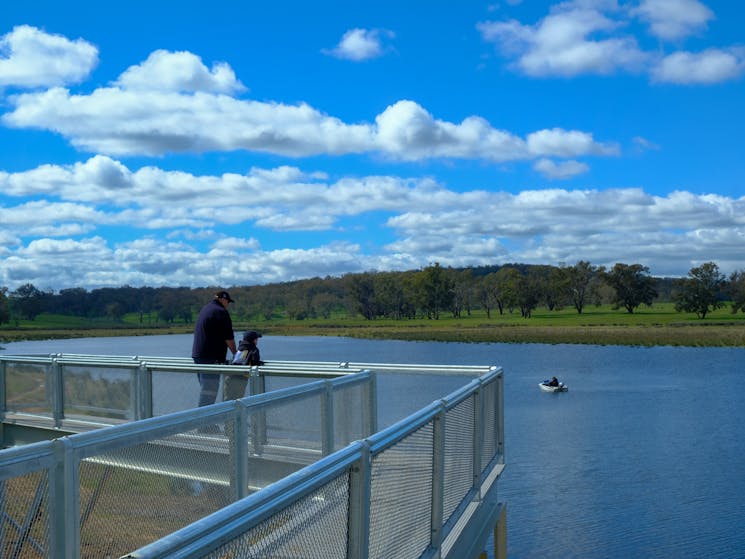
[656, 325]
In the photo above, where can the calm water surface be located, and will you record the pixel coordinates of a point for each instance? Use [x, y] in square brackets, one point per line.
[643, 457]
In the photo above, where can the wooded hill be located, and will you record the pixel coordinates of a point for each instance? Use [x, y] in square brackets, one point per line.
[426, 293]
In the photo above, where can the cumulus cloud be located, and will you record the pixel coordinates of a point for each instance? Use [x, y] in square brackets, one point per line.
[198, 241]
[408, 131]
[567, 42]
[361, 44]
[32, 58]
[563, 170]
[567, 143]
[173, 103]
[706, 67]
[674, 19]
[179, 72]
[124, 121]
[579, 37]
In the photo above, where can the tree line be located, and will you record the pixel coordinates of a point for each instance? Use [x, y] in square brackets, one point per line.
[425, 293]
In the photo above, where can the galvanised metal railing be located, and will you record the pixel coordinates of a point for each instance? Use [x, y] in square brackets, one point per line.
[78, 496]
[74, 392]
[107, 491]
[424, 487]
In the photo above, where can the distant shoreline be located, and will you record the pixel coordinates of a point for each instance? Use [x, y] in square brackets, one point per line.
[684, 334]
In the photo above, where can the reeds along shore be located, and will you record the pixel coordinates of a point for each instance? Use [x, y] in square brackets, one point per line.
[686, 334]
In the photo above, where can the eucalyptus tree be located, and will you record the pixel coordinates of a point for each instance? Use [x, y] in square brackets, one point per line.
[362, 292]
[552, 285]
[578, 281]
[528, 292]
[463, 292]
[393, 295]
[736, 290]
[434, 290]
[506, 281]
[4, 307]
[701, 291]
[28, 301]
[485, 292]
[632, 284]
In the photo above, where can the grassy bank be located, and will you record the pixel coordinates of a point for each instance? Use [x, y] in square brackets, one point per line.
[657, 325]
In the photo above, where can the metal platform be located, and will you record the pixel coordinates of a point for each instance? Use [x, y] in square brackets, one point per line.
[301, 471]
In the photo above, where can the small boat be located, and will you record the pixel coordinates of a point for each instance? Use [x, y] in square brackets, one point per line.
[546, 387]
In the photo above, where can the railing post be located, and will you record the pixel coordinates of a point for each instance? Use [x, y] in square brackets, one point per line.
[478, 438]
[370, 415]
[256, 380]
[327, 419]
[3, 396]
[358, 524]
[58, 393]
[56, 505]
[257, 385]
[240, 426]
[71, 477]
[499, 382]
[143, 402]
[438, 480]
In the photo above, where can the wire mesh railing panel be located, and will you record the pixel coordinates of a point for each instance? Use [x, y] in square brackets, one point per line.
[27, 388]
[100, 392]
[401, 497]
[278, 382]
[350, 407]
[24, 516]
[291, 424]
[459, 430]
[314, 527]
[174, 391]
[489, 440]
[136, 495]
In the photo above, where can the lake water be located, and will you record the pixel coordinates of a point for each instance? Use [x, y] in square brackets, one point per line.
[643, 457]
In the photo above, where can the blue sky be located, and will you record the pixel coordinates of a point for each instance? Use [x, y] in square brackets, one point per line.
[235, 143]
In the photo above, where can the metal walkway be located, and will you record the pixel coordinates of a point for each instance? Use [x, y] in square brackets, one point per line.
[104, 467]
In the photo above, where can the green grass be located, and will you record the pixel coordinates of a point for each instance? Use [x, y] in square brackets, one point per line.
[656, 325]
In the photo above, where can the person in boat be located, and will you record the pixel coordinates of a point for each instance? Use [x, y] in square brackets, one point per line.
[553, 382]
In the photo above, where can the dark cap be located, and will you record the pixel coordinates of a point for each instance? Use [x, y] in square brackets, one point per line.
[224, 295]
[251, 335]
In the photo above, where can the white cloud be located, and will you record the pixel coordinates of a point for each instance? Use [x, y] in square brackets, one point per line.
[361, 44]
[674, 19]
[119, 121]
[30, 57]
[122, 122]
[43, 218]
[564, 42]
[707, 67]
[643, 144]
[179, 72]
[581, 37]
[567, 143]
[563, 170]
[408, 131]
[426, 222]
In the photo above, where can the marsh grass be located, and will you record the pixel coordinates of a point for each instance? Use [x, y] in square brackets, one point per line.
[659, 324]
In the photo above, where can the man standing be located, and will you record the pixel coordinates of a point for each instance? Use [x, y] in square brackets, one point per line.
[213, 336]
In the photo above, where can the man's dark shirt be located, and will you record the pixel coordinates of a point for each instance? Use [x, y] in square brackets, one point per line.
[213, 327]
